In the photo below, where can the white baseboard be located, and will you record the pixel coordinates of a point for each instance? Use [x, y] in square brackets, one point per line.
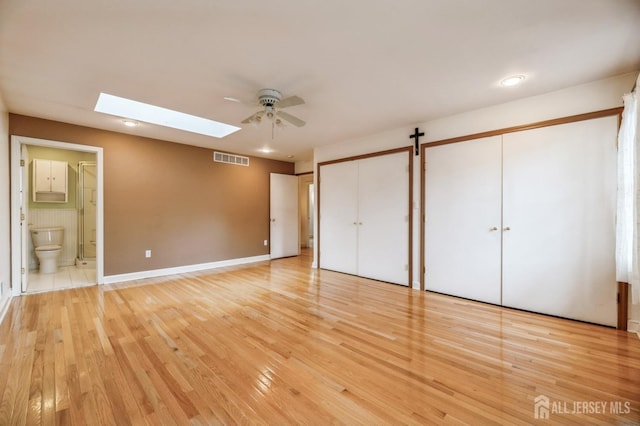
[111, 279]
[633, 326]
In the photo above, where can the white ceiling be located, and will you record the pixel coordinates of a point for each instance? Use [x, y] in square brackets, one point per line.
[362, 66]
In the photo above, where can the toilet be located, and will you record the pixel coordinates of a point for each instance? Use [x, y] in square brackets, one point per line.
[47, 242]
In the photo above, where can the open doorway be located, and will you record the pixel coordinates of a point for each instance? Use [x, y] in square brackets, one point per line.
[307, 209]
[49, 201]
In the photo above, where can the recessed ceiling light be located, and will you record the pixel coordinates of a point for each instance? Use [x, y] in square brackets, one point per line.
[289, 156]
[229, 98]
[130, 123]
[123, 107]
[514, 80]
[265, 150]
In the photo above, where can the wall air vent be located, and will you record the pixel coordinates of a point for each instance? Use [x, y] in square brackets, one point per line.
[223, 157]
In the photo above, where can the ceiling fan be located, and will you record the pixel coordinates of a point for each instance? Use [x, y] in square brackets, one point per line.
[272, 103]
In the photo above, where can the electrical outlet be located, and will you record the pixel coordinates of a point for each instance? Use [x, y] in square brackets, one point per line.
[147, 253]
[266, 243]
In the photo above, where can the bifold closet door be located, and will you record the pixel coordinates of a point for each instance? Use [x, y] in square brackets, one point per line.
[463, 219]
[338, 217]
[383, 218]
[364, 217]
[559, 219]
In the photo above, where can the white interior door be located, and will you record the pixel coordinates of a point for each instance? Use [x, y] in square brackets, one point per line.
[463, 219]
[284, 215]
[559, 207]
[338, 203]
[383, 218]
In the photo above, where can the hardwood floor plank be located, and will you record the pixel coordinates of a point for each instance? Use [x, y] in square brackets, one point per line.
[36, 391]
[280, 343]
[25, 369]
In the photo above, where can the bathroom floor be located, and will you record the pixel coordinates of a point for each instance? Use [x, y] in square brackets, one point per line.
[66, 277]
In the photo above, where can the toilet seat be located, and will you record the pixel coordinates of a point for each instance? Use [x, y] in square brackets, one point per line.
[48, 248]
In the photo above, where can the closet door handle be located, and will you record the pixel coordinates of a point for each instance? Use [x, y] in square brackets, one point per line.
[507, 228]
[494, 228]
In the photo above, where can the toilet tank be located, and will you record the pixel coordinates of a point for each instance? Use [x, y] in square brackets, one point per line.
[47, 236]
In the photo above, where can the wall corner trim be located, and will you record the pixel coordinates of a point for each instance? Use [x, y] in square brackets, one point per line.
[112, 279]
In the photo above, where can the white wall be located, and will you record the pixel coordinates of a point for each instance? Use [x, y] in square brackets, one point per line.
[5, 226]
[304, 167]
[594, 96]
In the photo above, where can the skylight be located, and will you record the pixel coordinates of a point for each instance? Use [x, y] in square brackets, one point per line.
[123, 107]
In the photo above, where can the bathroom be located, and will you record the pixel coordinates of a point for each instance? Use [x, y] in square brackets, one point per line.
[72, 207]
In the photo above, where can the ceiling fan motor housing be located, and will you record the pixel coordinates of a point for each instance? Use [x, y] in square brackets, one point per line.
[269, 97]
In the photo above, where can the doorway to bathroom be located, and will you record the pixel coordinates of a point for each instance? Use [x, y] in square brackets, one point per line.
[56, 215]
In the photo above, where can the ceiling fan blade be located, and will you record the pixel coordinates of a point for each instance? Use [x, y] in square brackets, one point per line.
[290, 101]
[242, 101]
[251, 118]
[291, 119]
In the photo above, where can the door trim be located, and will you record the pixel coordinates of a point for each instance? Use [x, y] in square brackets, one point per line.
[536, 125]
[623, 306]
[16, 236]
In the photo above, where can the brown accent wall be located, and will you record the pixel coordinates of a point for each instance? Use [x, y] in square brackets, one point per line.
[170, 198]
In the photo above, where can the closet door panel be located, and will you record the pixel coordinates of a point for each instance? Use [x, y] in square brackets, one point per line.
[383, 218]
[559, 205]
[463, 219]
[339, 216]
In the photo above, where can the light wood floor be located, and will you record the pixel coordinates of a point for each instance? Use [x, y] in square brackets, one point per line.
[279, 343]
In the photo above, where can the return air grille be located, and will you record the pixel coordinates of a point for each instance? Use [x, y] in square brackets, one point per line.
[223, 157]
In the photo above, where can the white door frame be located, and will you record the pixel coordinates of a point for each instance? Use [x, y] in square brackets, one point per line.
[18, 238]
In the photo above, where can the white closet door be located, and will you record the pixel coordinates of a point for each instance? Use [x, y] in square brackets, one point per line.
[559, 206]
[284, 215]
[463, 219]
[338, 217]
[383, 219]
